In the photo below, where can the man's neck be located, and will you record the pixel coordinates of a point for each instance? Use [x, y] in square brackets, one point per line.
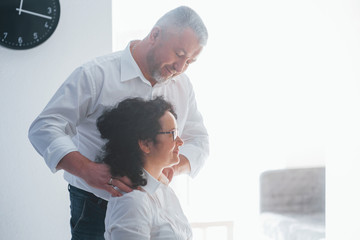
[136, 50]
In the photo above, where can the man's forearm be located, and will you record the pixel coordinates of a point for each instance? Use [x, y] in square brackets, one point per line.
[95, 174]
[74, 163]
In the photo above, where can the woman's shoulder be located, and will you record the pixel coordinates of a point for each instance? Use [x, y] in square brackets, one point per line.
[130, 206]
[131, 199]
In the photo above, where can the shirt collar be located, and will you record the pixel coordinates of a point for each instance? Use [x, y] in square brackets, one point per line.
[130, 69]
[153, 184]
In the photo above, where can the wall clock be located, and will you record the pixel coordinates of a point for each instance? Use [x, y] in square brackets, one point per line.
[26, 24]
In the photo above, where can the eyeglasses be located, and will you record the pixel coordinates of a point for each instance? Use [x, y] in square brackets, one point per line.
[173, 132]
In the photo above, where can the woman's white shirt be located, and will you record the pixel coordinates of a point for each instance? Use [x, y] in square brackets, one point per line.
[154, 212]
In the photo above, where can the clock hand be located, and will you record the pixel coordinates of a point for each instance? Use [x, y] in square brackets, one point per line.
[33, 13]
[21, 3]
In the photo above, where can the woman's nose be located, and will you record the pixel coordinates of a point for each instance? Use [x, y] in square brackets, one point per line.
[179, 141]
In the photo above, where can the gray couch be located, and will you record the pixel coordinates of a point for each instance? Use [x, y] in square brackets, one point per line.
[292, 204]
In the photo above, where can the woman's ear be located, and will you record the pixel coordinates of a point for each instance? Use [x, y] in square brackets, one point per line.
[144, 146]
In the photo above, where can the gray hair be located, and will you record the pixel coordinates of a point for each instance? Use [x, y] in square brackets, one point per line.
[184, 17]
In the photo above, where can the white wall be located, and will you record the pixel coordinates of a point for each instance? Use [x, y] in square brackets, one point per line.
[34, 203]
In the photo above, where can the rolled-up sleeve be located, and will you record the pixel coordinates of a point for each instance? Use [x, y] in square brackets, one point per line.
[195, 136]
[52, 131]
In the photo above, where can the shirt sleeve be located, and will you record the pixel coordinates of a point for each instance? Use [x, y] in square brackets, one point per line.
[52, 131]
[195, 136]
[128, 218]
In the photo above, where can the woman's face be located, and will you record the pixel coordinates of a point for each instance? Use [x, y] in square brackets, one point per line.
[165, 152]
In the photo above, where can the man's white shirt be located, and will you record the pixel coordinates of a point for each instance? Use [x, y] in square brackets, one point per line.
[68, 122]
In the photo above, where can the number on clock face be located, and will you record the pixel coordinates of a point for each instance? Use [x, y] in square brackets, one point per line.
[27, 23]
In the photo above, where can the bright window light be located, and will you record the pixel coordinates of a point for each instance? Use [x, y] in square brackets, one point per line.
[265, 84]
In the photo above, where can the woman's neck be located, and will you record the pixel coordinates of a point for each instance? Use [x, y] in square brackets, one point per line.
[154, 171]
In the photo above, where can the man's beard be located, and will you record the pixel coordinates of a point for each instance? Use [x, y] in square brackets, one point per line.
[157, 76]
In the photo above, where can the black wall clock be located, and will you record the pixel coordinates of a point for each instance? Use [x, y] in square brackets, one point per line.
[26, 24]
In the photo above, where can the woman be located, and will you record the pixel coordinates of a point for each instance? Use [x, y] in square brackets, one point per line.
[142, 140]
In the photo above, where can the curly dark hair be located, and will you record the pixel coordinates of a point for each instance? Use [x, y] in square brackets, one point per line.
[133, 119]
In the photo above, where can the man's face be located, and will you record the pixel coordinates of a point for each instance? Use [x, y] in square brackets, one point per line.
[172, 54]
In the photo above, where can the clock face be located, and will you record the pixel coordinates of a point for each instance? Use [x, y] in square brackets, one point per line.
[26, 24]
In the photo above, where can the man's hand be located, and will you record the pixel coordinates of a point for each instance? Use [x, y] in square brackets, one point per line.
[96, 175]
[182, 167]
[169, 173]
